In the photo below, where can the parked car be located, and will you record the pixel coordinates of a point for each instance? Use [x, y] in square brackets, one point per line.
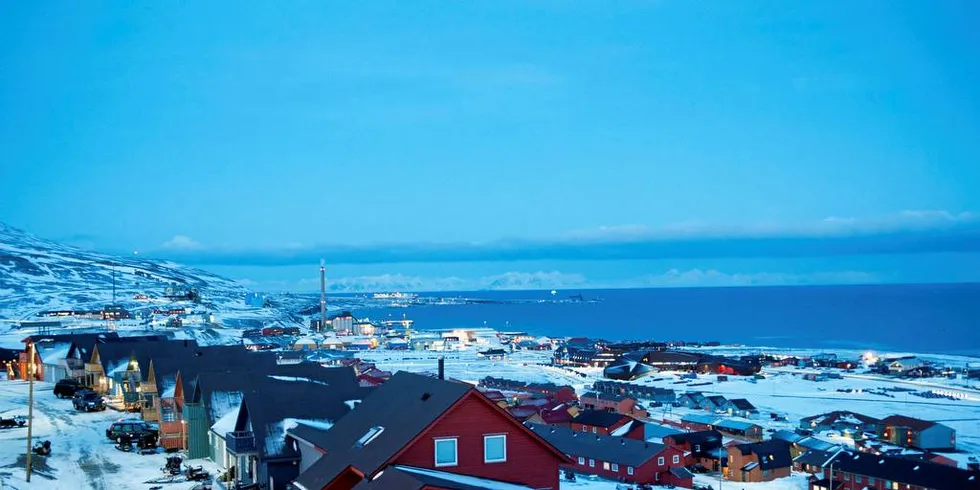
[88, 400]
[132, 428]
[15, 421]
[66, 388]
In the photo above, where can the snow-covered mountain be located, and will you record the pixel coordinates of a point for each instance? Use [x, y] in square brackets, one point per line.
[38, 275]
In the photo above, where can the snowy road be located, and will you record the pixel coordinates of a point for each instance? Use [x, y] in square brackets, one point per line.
[81, 456]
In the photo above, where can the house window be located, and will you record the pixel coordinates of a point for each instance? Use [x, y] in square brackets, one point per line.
[677, 459]
[857, 479]
[615, 467]
[871, 480]
[581, 460]
[446, 452]
[591, 463]
[765, 473]
[629, 470]
[605, 466]
[494, 449]
[847, 477]
[660, 461]
[585, 428]
[697, 448]
[593, 430]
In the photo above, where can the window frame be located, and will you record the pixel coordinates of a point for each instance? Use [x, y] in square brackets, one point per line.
[591, 463]
[615, 467]
[581, 460]
[435, 451]
[605, 465]
[488, 437]
[661, 460]
[629, 470]
[676, 459]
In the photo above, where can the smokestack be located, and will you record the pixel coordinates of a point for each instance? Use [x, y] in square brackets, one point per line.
[442, 367]
[323, 297]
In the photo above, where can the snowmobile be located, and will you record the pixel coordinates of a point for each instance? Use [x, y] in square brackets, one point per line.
[42, 448]
[17, 421]
[124, 443]
[197, 473]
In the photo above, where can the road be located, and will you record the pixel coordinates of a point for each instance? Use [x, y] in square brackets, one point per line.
[81, 456]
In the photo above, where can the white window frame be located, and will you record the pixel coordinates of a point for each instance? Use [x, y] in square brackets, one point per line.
[676, 459]
[581, 460]
[435, 451]
[660, 461]
[494, 436]
[629, 470]
[697, 448]
[593, 430]
[591, 463]
[615, 467]
[605, 465]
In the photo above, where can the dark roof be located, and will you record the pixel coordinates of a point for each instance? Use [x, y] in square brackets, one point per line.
[815, 457]
[717, 399]
[404, 406]
[707, 439]
[9, 354]
[599, 418]
[83, 338]
[615, 397]
[742, 404]
[918, 473]
[411, 478]
[773, 453]
[266, 410]
[910, 422]
[832, 417]
[614, 449]
[241, 379]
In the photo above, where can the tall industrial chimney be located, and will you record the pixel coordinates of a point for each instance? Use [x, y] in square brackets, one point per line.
[323, 297]
[442, 367]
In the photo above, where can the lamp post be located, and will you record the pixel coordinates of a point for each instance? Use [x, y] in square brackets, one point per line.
[30, 408]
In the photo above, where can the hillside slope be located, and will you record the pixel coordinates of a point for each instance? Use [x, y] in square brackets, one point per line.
[38, 275]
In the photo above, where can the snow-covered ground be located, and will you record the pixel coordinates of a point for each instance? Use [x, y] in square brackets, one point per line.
[81, 455]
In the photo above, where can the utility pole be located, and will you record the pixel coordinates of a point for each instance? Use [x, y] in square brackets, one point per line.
[30, 409]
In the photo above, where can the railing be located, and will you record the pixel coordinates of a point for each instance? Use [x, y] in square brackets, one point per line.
[240, 442]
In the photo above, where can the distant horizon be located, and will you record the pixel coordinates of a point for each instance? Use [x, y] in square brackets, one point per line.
[559, 295]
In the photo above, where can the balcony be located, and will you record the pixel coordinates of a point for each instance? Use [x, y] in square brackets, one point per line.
[240, 442]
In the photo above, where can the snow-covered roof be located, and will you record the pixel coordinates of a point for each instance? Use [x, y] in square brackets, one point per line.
[223, 402]
[305, 341]
[225, 424]
[275, 433]
[53, 353]
[470, 481]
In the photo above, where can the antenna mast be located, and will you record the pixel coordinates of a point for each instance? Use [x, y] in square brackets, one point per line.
[323, 296]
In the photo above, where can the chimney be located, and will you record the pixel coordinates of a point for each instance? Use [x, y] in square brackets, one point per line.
[442, 367]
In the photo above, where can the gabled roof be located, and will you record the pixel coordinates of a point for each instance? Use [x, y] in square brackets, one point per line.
[831, 418]
[772, 453]
[732, 424]
[412, 478]
[385, 424]
[619, 450]
[279, 405]
[600, 418]
[717, 400]
[910, 422]
[742, 404]
[918, 473]
[708, 439]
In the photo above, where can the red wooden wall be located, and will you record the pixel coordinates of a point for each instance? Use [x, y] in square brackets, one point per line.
[528, 461]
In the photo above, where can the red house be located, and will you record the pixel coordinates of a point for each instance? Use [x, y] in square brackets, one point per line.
[618, 458]
[416, 429]
[599, 422]
[612, 402]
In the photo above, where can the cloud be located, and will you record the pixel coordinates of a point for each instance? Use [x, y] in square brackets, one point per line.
[181, 242]
[909, 232]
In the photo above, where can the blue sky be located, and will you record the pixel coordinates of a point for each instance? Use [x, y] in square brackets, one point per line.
[555, 135]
